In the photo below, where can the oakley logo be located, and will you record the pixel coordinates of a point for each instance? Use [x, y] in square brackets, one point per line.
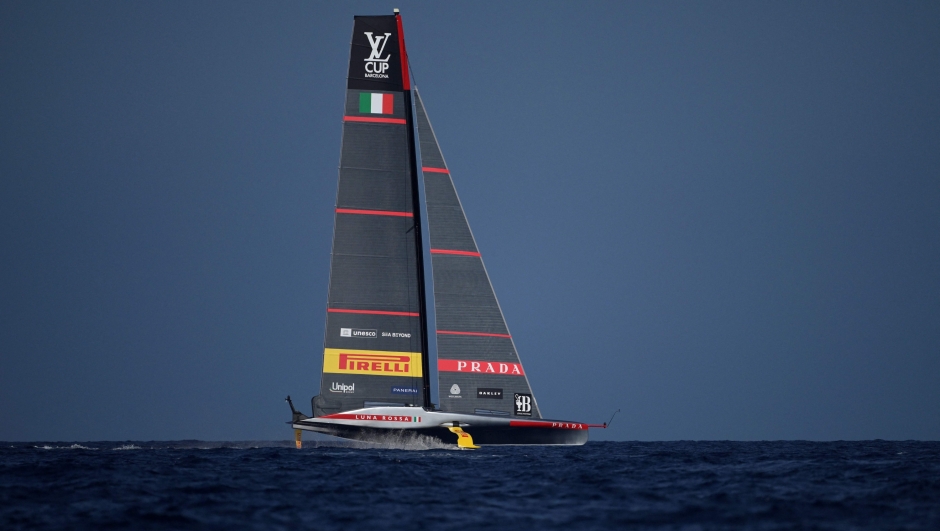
[487, 392]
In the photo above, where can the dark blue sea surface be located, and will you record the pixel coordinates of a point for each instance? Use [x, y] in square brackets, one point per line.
[602, 485]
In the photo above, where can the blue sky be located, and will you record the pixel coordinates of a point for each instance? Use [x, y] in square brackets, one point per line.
[721, 218]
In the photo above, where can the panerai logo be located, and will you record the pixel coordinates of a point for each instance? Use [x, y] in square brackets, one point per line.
[523, 404]
[375, 65]
[343, 388]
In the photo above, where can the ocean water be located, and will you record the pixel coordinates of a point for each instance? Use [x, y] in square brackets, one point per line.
[602, 485]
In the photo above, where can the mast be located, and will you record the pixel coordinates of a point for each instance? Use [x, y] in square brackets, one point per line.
[416, 200]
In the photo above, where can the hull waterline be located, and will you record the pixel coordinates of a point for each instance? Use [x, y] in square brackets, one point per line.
[381, 425]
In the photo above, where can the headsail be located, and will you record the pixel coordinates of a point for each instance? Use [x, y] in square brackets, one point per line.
[478, 368]
[375, 342]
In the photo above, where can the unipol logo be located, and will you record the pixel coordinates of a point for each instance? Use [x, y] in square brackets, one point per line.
[338, 387]
[523, 404]
[375, 65]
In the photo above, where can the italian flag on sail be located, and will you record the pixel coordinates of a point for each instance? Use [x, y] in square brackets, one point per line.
[375, 103]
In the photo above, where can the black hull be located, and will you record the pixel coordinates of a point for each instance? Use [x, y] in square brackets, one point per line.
[482, 435]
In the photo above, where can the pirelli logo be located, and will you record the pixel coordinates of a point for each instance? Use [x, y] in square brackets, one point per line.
[372, 362]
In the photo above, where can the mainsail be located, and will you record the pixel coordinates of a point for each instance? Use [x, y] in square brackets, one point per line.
[479, 371]
[375, 342]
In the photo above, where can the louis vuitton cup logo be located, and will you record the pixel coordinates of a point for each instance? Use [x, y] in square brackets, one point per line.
[378, 46]
[375, 65]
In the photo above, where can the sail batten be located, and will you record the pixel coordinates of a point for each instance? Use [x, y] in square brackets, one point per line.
[481, 334]
[369, 119]
[374, 212]
[479, 370]
[455, 252]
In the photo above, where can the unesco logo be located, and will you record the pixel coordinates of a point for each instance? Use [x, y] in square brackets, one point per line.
[357, 332]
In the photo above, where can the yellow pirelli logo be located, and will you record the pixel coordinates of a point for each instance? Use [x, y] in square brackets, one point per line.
[374, 362]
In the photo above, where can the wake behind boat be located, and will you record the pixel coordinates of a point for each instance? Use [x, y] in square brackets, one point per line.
[375, 379]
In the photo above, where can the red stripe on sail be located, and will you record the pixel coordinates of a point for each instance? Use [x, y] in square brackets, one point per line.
[481, 367]
[483, 334]
[405, 81]
[373, 120]
[375, 212]
[373, 312]
[459, 253]
[434, 170]
[387, 102]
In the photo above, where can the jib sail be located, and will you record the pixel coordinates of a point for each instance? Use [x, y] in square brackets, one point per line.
[375, 342]
[478, 368]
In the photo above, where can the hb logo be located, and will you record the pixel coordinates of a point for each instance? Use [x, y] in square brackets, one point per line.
[523, 404]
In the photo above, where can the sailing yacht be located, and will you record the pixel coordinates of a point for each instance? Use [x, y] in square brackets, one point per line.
[376, 378]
